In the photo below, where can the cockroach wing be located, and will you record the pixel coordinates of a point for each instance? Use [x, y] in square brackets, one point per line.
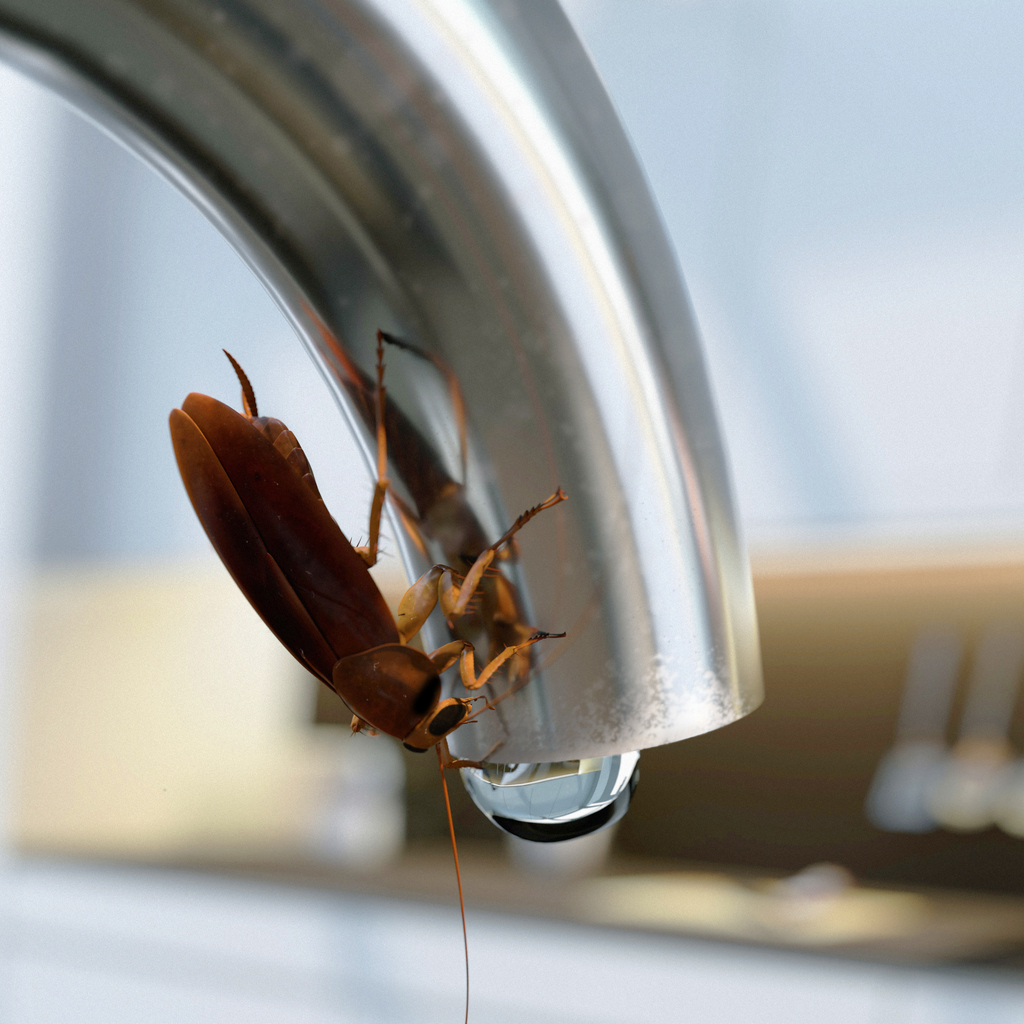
[277, 538]
[235, 538]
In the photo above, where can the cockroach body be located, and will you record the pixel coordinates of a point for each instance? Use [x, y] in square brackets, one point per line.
[255, 495]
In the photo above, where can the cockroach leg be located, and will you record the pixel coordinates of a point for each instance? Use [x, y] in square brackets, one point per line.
[454, 390]
[438, 582]
[409, 521]
[556, 498]
[454, 599]
[467, 666]
[418, 602]
[446, 656]
[491, 704]
[369, 553]
[449, 760]
[361, 725]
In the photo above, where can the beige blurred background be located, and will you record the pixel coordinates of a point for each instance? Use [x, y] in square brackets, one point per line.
[161, 719]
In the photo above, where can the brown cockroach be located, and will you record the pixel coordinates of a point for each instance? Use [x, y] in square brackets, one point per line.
[255, 495]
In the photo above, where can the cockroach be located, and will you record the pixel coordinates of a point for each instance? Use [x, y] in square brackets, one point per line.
[256, 497]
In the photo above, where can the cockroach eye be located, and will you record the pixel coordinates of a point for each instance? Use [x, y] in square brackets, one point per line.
[446, 719]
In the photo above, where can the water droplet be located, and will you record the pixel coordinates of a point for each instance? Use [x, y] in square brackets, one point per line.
[547, 803]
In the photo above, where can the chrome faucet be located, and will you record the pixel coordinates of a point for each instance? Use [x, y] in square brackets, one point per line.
[455, 173]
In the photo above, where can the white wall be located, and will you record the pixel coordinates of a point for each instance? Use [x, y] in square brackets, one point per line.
[844, 184]
[102, 945]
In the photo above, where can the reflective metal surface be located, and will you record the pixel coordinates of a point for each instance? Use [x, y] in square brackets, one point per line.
[453, 171]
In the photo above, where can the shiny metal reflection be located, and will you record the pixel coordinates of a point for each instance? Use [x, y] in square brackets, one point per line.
[453, 171]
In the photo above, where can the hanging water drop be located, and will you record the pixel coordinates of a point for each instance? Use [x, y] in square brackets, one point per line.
[547, 803]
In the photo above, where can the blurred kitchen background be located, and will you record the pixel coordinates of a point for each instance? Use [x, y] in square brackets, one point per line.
[189, 833]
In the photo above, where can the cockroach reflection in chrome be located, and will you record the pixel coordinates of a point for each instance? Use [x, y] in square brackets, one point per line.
[440, 510]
